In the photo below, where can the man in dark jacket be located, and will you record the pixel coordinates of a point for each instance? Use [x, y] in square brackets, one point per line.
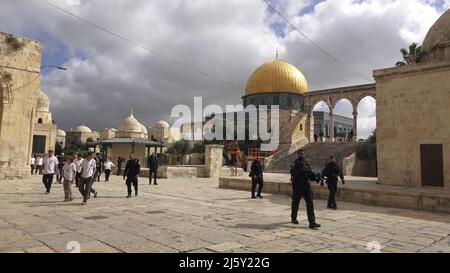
[301, 174]
[152, 164]
[132, 170]
[332, 173]
[256, 173]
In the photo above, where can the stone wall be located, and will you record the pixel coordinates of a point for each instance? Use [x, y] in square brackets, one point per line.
[412, 109]
[19, 103]
[351, 166]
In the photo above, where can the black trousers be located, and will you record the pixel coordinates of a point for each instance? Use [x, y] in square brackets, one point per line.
[299, 191]
[60, 174]
[47, 179]
[152, 173]
[132, 180]
[85, 187]
[258, 181]
[332, 188]
[107, 174]
[77, 179]
[98, 174]
[37, 169]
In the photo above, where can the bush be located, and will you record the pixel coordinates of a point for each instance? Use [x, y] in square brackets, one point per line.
[368, 149]
[13, 42]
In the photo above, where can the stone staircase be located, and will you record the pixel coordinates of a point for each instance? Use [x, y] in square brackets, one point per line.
[316, 154]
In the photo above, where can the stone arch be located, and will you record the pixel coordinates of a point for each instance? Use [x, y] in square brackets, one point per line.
[357, 111]
[4, 95]
[343, 131]
[5, 88]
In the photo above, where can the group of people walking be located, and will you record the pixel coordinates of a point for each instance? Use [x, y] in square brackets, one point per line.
[301, 175]
[83, 172]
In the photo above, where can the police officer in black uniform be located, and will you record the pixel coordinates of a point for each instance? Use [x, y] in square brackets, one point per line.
[132, 170]
[256, 174]
[152, 164]
[301, 174]
[332, 172]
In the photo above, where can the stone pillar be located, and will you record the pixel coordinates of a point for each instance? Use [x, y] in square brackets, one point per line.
[355, 126]
[331, 127]
[213, 160]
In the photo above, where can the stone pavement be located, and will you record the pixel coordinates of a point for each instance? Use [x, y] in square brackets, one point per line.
[194, 215]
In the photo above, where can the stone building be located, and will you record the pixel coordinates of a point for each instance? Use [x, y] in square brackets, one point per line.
[342, 125]
[61, 138]
[44, 133]
[131, 137]
[20, 62]
[107, 133]
[413, 115]
[162, 132]
[79, 136]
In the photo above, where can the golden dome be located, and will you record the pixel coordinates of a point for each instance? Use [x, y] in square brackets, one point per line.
[276, 77]
[439, 33]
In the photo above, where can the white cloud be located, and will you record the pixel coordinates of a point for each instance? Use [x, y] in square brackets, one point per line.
[228, 39]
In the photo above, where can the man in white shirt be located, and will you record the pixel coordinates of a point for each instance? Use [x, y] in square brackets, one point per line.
[33, 163]
[88, 169]
[68, 173]
[78, 160]
[39, 162]
[108, 167]
[50, 167]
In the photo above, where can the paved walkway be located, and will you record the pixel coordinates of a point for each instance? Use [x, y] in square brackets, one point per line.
[194, 215]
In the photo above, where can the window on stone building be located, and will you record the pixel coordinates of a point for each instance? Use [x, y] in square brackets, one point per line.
[40, 121]
[301, 127]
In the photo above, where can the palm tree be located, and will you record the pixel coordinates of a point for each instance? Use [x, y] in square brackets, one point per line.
[409, 54]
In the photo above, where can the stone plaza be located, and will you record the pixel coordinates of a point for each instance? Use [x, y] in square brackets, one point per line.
[194, 215]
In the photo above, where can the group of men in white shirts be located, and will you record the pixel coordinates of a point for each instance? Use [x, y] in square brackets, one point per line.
[81, 171]
[36, 164]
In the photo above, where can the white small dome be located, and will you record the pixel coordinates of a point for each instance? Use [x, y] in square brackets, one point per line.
[60, 133]
[130, 124]
[43, 102]
[143, 129]
[162, 124]
[82, 129]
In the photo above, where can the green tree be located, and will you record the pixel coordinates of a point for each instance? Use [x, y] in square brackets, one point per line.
[368, 149]
[409, 54]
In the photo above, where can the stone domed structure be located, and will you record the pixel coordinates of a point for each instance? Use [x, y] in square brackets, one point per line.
[130, 124]
[276, 83]
[162, 124]
[43, 102]
[82, 129]
[132, 128]
[60, 133]
[436, 46]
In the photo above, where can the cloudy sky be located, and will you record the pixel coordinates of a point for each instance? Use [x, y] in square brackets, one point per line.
[227, 39]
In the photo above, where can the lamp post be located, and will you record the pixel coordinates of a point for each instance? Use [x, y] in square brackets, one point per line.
[54, 66]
